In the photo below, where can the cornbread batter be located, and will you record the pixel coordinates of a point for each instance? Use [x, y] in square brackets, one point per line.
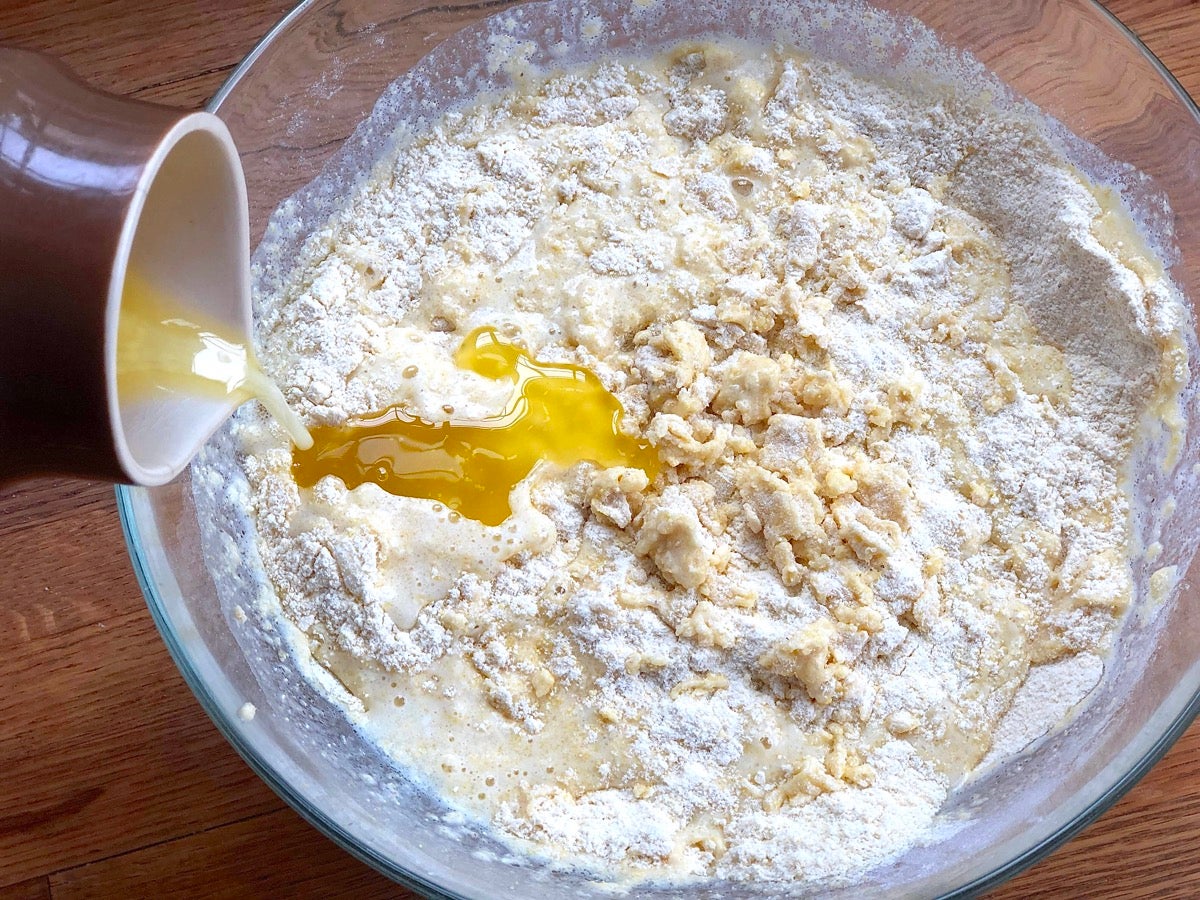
[892, 352]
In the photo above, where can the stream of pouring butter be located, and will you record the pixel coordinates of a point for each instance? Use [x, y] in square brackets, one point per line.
[162, 347]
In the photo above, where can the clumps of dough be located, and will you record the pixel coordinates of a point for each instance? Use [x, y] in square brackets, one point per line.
[673, 362]
[685, 443]
[811, 659]
[839, 767]
[697, 114]
[669, 532]
[713, 193]
[705, 627]
[754, 423]
[791, 442]
[616, 494]
[748, 383]
[699, 111]
[790, 517]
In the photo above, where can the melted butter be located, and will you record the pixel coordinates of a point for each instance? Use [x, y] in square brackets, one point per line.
[162, 348]
[558, 413]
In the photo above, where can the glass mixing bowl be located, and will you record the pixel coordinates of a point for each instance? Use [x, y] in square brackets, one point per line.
[294, 102]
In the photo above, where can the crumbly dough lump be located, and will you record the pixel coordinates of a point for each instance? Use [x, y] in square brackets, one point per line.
[893, 351]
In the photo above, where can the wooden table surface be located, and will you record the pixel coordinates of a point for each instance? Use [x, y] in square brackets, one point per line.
[113, 782]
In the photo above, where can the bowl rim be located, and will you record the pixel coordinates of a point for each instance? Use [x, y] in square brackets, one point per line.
[126, 497]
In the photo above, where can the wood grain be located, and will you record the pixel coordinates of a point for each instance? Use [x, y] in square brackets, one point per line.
[34, 889]
[137, 46]
[203, 865]
[115, 784]
[112, 756]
